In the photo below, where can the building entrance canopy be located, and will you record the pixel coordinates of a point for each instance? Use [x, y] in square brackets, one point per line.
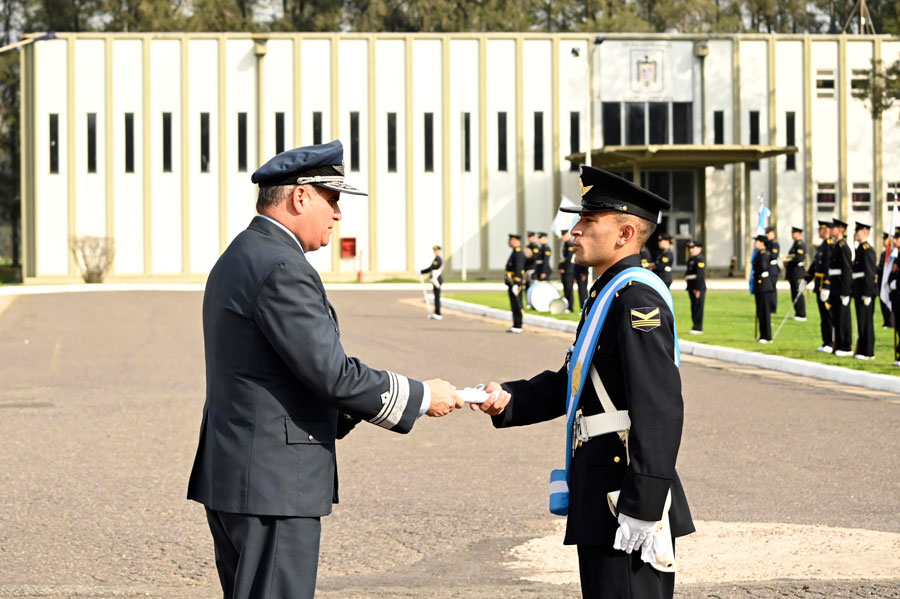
[677, 156]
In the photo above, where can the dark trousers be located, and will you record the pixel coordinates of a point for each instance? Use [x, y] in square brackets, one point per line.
[773, 300]
[885, 313]
[515, 304]
[799, 302]
[825, 323]
[896, 337]
[697, 309]
[568, 280]
[865, 326]
[607, 573]
[582, 292]
[840, 320]
[764, 314]
[437, 299]
[265, 557]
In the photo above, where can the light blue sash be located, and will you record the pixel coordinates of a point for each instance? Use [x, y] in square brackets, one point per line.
[580, 364]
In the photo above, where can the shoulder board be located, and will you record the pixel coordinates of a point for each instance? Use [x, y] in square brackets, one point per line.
[518, 249]
[829, 241]
[865, 246]
[664, 259]
[799, 251]
[701, 264]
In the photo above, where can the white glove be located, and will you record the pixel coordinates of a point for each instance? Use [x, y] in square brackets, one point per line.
[811, 284]
[845, 299]
[893, 286]
[867, 300]
[634, 534]
[824, 295]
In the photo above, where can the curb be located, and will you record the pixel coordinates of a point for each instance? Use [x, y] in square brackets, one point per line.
[825, 372]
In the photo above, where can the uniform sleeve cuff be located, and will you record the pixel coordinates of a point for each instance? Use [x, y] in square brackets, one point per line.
[643, 496]
[426, 399]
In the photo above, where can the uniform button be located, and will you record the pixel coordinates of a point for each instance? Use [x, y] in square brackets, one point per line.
[594, 293]
[617, 459]
[311, 438]
[579, 445]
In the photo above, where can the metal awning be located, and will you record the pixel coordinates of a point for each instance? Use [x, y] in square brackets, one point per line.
[677, 156]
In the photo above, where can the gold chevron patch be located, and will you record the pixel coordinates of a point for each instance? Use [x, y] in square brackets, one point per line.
[645, 319]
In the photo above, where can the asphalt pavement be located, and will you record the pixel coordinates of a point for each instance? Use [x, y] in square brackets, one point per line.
[100, 408]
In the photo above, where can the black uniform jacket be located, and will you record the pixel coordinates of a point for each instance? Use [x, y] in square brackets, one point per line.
[435, 268]
[695, 273]
[894, 288]
[544, 261]
[795, 261]
[566, 265]
[531, 263]
[774, 248]
[841, 260]
[662, 266]
[818, 270]
[763, 280]
[276, 378]
[864, 271]
[515, 267]
[636, 365]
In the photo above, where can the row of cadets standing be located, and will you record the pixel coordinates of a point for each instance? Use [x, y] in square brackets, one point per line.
[435, 272]
[537, 258]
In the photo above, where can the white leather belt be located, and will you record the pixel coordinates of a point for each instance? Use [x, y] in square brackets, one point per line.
[588, 427]
[689, 277]
[765, 274]
[668, 269]
[858, 275]
[834, 271]
[773, 261]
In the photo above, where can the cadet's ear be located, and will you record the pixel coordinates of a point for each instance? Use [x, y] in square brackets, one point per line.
[627, 233]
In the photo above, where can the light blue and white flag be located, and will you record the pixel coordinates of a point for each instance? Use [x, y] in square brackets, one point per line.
[889, 258]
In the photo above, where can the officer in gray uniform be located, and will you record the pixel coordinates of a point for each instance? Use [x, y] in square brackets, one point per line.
[634, 361]
[837, 286]
[795, 271]
[863, 292]
[435, 274]
[280, 389]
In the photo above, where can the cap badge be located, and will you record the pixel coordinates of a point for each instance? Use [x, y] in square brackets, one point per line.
[584, 189]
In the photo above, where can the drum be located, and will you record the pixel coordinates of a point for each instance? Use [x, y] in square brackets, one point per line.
[559, 305]
[540, 295]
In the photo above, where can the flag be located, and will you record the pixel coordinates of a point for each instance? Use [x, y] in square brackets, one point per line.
[889, 258]
[564, 220]
[764, 214]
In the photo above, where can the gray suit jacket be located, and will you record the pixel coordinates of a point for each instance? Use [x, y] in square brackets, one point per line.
[277, 381]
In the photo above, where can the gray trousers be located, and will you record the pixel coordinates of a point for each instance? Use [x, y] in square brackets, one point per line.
[265, 557]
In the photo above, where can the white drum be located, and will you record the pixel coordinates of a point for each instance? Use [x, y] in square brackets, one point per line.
[540, 295]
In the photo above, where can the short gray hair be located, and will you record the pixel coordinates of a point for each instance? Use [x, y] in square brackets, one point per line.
[272, 196]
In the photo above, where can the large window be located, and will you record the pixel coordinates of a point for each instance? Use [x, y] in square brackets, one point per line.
[167, 142]
[54, 144]
[467, 141]
[429, 142]
[129, 142]
[634, 124]
[354, 141]
[204, 142]
[659, 122]
[538, 141]
[861, 197]
[754, 136]
[501, 141]
[279, 132]
[826, 199]
[719, 132]
[574, 137]
[92, 142]
[317, 128]
[825, 83]
[242, 141]
[790, 162]
[682, 123]
[392, 142]
[612, 124]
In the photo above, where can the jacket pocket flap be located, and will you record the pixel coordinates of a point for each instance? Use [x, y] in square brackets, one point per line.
[308, 431]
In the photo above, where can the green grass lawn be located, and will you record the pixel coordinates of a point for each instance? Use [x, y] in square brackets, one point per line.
[729, 319]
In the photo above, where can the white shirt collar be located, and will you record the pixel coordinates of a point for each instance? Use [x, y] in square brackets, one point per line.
[285, 229]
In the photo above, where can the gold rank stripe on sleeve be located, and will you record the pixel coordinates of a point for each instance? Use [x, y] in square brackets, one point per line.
[645, 319]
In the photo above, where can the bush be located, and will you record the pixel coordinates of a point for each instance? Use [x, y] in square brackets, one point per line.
[94, 256]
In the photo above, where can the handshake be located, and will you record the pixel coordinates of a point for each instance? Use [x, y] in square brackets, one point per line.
[445, 398]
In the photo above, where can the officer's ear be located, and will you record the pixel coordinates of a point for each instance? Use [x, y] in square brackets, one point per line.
[299, 199]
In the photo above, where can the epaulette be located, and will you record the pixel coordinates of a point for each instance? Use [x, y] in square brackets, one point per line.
[701, 264]
[518, 249]
[865, 246]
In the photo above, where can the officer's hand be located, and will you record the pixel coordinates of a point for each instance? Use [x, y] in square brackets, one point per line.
[824, 295]
[867, 300]
[444, 398]
[496, 401]
[633, 534]
[697, 293]
[845, 300]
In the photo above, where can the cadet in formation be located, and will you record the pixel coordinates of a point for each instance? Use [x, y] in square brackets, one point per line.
[567, 268]
[582, 273]
[837, 290]
[542, 267]
[437, 279]
[795, 272]
[886, 322]
[774, 249]
[817, 272]
[695, 276]
[894, 296]
[763, 288]
[628, 366]
[531, 253]
[665, 258]
[863, 292]
[515, 281]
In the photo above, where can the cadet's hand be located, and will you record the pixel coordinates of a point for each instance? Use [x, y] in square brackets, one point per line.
[697, 293]
[443, 398]
[634, 534]
[867, 300]
[845, 300]
[496, 401]
[824, 294]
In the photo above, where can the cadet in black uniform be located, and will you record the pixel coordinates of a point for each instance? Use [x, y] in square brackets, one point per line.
[763, 287]
[515, 280]
[816, 273]
[695, 276]
[863, 292]
[795, 271]
[837, 286]
[567, 268]
[542, 268]
[635, 364]
[879, 273]
[581, 279]
[531, 256]
[437, 279]
[662, 264]
[646, 258]
[894, 291]
[774, 249]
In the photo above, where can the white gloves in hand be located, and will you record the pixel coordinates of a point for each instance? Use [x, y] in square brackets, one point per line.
[515, 289]
[867, 300]
[845, 300]
[811, 284]
[635, 534]
[893, 286]
[824, 295]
